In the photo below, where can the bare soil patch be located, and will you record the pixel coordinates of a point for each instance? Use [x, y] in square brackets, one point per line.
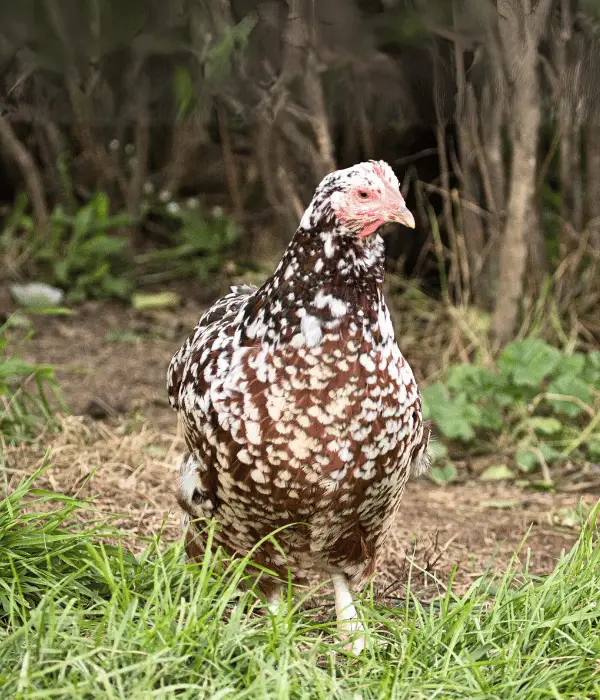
[121, 446]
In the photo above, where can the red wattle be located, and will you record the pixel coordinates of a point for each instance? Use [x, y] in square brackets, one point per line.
[370, 228]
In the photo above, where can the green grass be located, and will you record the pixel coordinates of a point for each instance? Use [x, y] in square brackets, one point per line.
[26, 391]
[83, 619]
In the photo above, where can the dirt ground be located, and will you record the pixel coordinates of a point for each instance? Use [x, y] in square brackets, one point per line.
[121, 445]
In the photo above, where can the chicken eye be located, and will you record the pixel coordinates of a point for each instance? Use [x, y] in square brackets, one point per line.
[363, 195]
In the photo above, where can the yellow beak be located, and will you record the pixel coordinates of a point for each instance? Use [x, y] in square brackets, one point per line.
[404, 217]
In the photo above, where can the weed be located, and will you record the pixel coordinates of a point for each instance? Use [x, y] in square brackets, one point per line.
[83, 256]
[541, 401]
[25, 389]
[199, 244]
[88, 256]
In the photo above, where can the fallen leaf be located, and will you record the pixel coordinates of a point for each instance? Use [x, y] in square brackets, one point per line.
[162, 300]
[498, 472]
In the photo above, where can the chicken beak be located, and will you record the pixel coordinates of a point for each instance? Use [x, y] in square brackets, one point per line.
[403, 216]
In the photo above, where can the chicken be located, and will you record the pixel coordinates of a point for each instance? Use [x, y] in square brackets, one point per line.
[299, 410]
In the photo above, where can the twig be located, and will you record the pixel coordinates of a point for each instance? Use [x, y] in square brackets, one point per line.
[142, 149]
[95, 152]
[230, 166]
[33, 180]
[464, 202]
[447, 205]
[186, 137]
[415, 156]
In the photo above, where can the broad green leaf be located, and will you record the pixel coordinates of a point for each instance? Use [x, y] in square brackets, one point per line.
[437, 451]
[61, 270]
[528, 362]
[183, 87]
[95, 275]
[545, 426]
[117, 286]
[443, 475]
[113, 222]
[102, 246]
[591, 372]
[569, 386]
[433, 395]
[498, 472]
[466, 376]
[101, 205]
[594, 448]
[477, 382]
[490, 416]
[571, 364]
[527, 459]
[506, 398]
[550, 454]
[83, 221]
[456, 417]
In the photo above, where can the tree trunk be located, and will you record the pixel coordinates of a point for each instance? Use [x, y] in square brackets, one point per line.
[521, 29]
[467, 124]
[593, 183]
[292, 142]
[568, 70]
[513, 255]
[313, 90]
[493, 169]
[537, 258]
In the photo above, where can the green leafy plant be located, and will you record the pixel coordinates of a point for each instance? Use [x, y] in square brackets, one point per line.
[219, 53]
[87, 257]
[25, 390]
[82, 255]
[541, 401]
[200, 243]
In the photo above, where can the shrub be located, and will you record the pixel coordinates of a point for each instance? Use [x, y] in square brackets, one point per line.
[546, 402]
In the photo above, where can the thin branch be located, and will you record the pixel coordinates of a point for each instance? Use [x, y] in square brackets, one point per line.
[142, 150]
[230, 165]
[33, 181]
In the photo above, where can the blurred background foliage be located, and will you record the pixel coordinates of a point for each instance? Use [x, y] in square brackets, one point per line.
[125, 125]
[250, 103]
[144, 143]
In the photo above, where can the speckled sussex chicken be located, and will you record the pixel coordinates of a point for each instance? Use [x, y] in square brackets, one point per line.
[297, 404]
